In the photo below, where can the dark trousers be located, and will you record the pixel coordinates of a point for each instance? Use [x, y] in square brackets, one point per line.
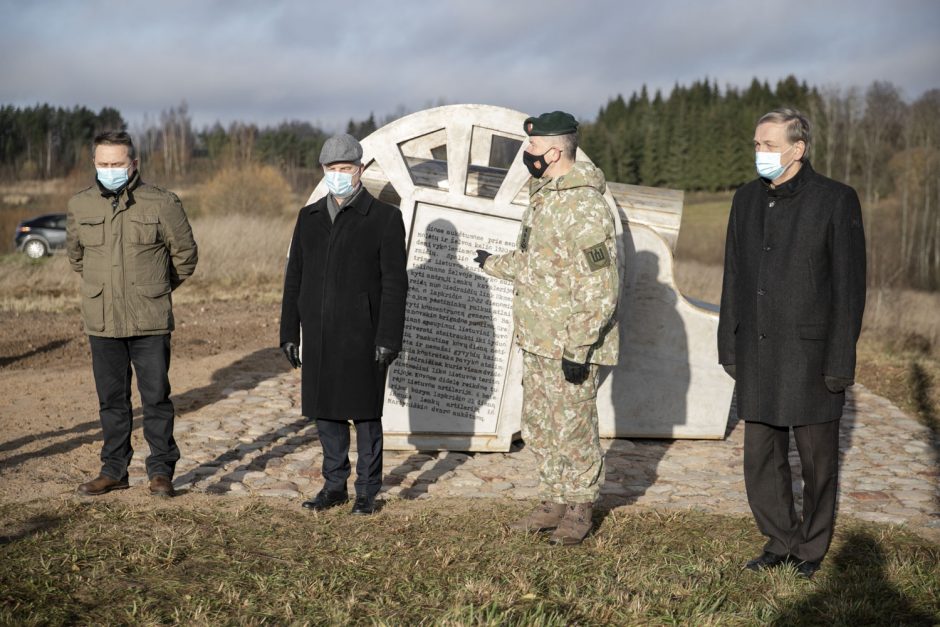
[770, 489]
[111, 360]
[334, 438]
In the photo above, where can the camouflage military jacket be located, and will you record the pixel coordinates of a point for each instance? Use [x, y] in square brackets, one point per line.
[564, 269]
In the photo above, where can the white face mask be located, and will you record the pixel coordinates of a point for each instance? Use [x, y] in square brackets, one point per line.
[113, 178]
[340, 184]
[768, 163]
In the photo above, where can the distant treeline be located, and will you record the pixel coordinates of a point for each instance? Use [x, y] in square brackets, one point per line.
[698, 137]
[43, 142]
[48, 142]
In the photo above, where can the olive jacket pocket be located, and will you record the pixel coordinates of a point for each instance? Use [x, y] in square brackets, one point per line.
[144, 229]
[93, 306]
[154, 307]
[91, 231]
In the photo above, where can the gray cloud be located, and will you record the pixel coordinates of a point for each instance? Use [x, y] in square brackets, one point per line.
[329, 62]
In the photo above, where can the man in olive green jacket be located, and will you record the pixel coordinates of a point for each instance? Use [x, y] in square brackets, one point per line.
[133, 246]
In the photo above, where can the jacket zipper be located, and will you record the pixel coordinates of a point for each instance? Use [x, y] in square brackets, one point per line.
[114, 208]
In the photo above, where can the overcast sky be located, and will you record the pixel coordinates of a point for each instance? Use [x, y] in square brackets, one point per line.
[265, 61]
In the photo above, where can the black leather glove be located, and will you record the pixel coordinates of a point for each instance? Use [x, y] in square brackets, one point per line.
[574, 372]
[838, 384]
[731, 370]
[385, 356]
[481, 257]
[292, 353]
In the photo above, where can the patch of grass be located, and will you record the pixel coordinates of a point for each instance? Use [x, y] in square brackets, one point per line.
[434, 562]
[46, 284]
[703, 228]
[241, 252]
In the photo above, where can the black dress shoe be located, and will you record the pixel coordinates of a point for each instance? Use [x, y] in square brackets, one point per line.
[364, 505]
[325, 500]
[806, 570]
[765, 561]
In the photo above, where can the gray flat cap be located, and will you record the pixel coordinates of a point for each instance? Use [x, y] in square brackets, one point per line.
[345, 148]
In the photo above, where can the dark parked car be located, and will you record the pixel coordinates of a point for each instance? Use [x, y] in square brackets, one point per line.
[42, 235]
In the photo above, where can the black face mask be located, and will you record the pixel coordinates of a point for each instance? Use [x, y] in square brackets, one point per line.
[535, 164]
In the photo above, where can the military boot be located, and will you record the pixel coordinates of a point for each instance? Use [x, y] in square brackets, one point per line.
[574, 526]
[545, 517]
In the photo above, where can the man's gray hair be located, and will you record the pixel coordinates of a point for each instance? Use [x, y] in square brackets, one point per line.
[114, 138]
[797, 124]
[569, 145]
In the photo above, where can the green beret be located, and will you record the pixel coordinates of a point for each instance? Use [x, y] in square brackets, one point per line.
[554, 123]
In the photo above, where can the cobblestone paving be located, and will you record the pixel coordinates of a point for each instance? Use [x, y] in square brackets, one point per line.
[253, 440]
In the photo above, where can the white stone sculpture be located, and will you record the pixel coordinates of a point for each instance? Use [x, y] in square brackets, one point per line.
[457, 174]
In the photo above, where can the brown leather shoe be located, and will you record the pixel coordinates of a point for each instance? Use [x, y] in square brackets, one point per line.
[100, 485]
[575, 525]
[161, 485]
[545, 517]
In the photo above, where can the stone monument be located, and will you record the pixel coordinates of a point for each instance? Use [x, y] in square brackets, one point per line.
[457, 174]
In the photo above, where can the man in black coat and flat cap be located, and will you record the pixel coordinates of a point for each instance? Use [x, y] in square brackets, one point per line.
[791, 313]
[345, 286]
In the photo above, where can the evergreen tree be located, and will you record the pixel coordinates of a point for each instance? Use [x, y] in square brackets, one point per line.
[45, 141]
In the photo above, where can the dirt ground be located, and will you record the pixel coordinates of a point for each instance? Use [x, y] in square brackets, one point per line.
[49, 429]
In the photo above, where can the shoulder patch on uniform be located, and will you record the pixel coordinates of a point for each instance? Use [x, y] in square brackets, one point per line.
[597, 256]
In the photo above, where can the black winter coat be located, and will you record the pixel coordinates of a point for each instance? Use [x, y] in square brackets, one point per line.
[345, 286]
[793, 297]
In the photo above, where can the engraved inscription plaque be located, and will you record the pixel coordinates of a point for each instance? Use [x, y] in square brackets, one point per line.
[457, 346]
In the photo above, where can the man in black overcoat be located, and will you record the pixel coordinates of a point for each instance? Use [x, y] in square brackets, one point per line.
[791, 312]
[345, 287]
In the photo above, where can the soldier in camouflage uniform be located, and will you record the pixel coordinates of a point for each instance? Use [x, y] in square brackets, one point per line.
[566, 289]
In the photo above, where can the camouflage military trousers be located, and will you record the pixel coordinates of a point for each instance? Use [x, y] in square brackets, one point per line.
[559, 424]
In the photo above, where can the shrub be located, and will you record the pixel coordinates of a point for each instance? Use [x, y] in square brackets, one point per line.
[247, 190]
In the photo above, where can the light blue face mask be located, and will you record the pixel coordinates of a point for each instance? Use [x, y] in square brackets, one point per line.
[113, 178]
[339, 183]
[768, 164]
